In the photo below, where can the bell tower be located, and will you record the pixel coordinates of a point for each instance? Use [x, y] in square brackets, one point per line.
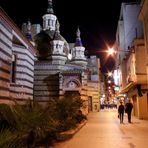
[78, 56]
[49, 19]
[58, 56]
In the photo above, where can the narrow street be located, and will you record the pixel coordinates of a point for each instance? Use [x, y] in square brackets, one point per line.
[103, 130]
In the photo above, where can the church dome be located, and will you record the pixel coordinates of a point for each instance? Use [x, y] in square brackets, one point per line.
[43, 43]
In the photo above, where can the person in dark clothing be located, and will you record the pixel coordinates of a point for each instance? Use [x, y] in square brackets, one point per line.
[128, 110]
[121, 112]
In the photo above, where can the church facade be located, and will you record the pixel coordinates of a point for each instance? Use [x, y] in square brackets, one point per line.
[60, 70]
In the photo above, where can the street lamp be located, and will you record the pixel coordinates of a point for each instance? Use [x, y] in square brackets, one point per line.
[109, 81]
[109, 74]
[111, 51]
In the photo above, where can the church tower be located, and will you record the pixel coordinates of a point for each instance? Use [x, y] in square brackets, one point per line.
[58, 56]
[55, 76]
[26, 29]
[78, 56]
[28, 32]
[50, 44]
[49, 19]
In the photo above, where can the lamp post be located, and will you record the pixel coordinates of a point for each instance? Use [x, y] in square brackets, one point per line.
[111, 51]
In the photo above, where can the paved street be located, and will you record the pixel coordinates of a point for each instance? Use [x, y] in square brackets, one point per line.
[103, 130]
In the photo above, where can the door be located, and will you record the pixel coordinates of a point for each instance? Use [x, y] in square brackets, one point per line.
[135, 106]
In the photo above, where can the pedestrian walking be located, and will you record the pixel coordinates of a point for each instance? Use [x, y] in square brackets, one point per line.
[121, 112]
[128, 110]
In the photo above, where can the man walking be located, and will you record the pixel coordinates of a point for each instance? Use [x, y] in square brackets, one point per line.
[128, 110]
[121, 112]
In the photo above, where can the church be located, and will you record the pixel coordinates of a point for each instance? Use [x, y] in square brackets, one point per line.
[58, 68]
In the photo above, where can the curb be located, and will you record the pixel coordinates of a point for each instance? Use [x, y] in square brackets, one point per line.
[67, 135]
[74, 131]
[79, 127]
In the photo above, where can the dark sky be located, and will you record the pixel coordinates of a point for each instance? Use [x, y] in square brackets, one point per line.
[97, 20]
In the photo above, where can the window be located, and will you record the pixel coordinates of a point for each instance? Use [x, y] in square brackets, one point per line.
[44, 23]
[13, 68]
[52, 23]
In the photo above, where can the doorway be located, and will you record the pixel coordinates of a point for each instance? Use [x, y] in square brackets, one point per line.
[135, 106]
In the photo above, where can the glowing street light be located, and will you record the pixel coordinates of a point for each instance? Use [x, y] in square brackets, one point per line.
[109, 74]
[109, 81]
[111, 51]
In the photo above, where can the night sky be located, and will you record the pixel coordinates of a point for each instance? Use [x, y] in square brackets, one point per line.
[97, 20]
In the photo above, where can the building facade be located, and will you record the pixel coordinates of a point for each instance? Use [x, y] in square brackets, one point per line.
[93, 84]
[131, 59]
[143, 16]
[16, 62]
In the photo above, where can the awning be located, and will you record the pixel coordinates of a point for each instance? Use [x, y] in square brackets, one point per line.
[127, 88]
[140, 88]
